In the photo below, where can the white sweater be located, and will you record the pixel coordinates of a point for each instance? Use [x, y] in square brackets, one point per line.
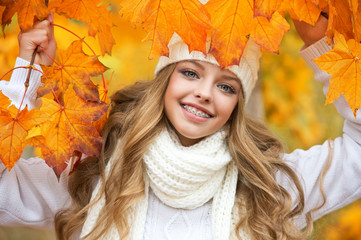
[30, 194]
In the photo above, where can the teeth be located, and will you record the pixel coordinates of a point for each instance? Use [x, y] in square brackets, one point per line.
[195, 112]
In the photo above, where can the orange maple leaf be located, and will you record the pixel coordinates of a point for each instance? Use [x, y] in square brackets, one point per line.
[2, 9]
[69, 128]
[103, 94]
[305, 10]
[266, 8]
[321, 3]
[88, 11]
[343, 63]
[161, 18]
[74, 67]
[339, 19]
[27, 11]
[4, 102]
[269, 33]
[232, 23]
[356, 11]
[15, 125]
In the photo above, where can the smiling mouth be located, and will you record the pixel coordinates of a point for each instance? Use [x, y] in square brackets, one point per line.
[196, 111]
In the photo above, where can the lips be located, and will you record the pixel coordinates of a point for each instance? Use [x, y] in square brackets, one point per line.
[196, 111]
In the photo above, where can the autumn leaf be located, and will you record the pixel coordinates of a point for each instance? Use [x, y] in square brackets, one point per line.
[14, 129]
[74, 67]
[321, 3]
[98, 18]
[27, 11]
[343, 63]
[102, 29]
[356, 10]
[305, 10]
[340, 19]
[2, 9]
[69, 128]
[269, 33]
[103, 94]
[161, 18]
[266, 8]
[232, 23]
[4, 102]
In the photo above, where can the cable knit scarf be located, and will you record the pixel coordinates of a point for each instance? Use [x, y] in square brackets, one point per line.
[182, 177]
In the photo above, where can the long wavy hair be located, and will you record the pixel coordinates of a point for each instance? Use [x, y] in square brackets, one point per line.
[136, 118]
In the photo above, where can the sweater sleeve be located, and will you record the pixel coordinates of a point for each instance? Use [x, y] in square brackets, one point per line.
[30, 194]
[342, 181]
[15, 88]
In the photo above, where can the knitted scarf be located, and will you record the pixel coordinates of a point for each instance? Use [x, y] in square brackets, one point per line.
[182, 177]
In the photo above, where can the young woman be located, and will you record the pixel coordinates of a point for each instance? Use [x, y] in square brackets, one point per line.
[181, 160]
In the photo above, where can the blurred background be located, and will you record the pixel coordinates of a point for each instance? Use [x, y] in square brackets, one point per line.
[287, 98]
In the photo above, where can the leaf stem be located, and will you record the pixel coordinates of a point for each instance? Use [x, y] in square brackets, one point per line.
[47, 54]
[31, 63]
[56, 25]
[26, 88]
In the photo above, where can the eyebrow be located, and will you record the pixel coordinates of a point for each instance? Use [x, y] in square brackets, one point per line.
[197, 64]
[224, 76]
[231, 78]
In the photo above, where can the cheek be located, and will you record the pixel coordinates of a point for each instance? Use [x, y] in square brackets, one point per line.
[226, 107]
[174, 88]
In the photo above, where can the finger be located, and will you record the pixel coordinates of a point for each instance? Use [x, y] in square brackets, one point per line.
[50, 18]
[45, 24]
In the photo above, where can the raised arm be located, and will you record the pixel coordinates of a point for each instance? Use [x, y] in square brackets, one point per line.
[341, 156]
[40, 37]
[30, 193]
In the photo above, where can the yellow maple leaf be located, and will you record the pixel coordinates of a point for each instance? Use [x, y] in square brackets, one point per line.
[266, 8]
[269, 33]
[340, 19]
[15, 125]
[89, 11]
[161, 18]
[27, 11]
[343, 63]
[232, 23]
[356, 10]
[74, 67]
[305, 10]
[69, 128]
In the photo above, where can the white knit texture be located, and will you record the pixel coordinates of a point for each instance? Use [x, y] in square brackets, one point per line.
[186, 177]
[182, 177]
[15, 88]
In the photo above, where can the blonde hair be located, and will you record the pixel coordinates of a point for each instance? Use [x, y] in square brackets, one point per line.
[137, 117]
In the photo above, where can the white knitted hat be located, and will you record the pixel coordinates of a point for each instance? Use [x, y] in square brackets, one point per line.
[246, 71]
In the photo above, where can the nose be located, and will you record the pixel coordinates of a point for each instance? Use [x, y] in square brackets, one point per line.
[203, 92]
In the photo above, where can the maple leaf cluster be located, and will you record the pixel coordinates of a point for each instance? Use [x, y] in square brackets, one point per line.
[220, 27]
[69, 119]
[231, 23]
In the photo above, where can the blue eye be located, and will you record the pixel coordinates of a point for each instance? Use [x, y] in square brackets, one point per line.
[189, 73]
[227, 88]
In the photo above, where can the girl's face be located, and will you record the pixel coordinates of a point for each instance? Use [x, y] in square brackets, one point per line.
[199, 99]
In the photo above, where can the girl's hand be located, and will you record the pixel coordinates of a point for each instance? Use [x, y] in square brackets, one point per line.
[42, 35]
[311, 34]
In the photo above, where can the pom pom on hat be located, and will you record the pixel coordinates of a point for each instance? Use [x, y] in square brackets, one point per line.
[246, 71]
